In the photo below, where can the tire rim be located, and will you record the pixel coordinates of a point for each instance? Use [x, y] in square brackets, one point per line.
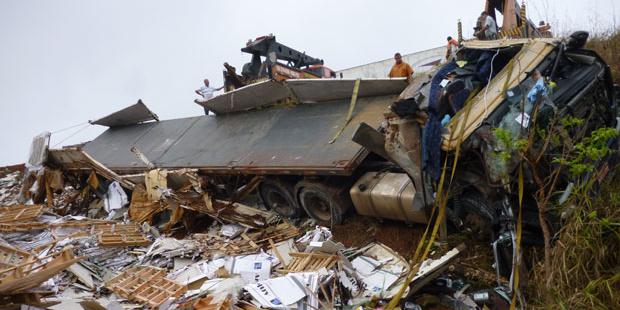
[317, 206]
[279, 203]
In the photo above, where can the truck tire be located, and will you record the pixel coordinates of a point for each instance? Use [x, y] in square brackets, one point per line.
[278, 196]
[326, 205]
[476, 215]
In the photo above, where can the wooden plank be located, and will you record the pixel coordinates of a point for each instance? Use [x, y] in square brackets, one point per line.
[20, 213]
[304, 262]
[25, 276]
[277, 253]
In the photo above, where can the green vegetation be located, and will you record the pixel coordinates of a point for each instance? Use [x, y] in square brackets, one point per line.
[581, 270]
[608, 46]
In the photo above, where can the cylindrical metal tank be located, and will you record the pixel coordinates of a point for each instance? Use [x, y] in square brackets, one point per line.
[388, 195]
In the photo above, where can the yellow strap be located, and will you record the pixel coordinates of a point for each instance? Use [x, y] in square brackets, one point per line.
[440, 207]
[515, 285]
[507, 81]
[356, 89]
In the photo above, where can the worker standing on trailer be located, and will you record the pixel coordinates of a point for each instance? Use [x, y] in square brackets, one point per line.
[206, 92]
[400, 68]
[451, 48]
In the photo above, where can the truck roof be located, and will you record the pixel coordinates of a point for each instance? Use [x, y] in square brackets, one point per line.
[274, 140]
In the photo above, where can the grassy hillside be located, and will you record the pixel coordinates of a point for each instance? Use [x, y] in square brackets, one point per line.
[608, 46]
[585, 272]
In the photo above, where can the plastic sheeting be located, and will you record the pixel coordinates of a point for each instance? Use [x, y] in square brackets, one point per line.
[115, 198]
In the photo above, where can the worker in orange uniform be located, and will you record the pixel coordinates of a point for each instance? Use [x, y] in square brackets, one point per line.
[400, 68]
[453, 45]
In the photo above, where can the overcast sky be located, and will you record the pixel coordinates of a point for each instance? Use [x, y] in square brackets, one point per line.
[63, 63]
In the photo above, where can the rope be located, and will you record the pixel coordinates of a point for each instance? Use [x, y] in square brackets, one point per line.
[517, 268]
[486, 89]
[72, 135]
[67, 128]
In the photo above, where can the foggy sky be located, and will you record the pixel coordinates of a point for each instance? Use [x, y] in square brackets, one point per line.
[63, 63]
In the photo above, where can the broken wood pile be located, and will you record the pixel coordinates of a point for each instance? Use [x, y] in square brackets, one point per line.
[31, 272]
[249, 242]
[130, 241]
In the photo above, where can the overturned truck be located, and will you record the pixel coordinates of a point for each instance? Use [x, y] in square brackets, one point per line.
[322, 146]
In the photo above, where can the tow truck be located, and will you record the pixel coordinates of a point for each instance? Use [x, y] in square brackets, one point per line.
[266, 63]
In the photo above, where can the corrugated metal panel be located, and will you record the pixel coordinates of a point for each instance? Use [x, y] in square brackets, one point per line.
[318, 90]
[274, 140]
[247, 97]
[269, 92]
[130, 115]
[113, 147]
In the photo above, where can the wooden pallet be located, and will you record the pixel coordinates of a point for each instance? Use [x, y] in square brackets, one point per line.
[133, 279]
[115, 228]
[34, 225]
[83, 223]
[145, 284]
[158, 292]
[123, 239]
[120, 235]
[304, 262]
[23, 226]
[20, 213]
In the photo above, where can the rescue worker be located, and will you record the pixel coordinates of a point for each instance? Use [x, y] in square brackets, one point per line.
[206, 92]
[540, 88]
[487, 27]
[400, 68]
[451, 48]
[544, 29]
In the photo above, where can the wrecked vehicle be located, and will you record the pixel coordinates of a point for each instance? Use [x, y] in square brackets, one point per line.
[583, 89]
[463, 140]
[295, 134]
[303, 153]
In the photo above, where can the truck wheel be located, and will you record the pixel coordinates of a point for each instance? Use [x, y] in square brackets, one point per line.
[324, 204]
[475, 215]
[278, 196]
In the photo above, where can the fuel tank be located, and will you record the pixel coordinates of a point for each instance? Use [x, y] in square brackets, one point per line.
[388, 195]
